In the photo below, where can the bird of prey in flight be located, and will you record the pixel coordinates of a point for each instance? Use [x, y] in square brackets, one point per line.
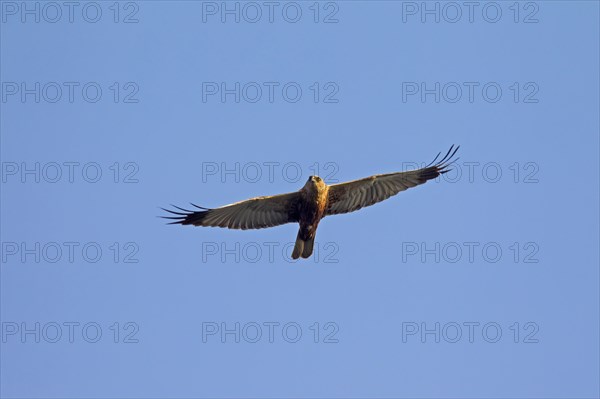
[311, 203]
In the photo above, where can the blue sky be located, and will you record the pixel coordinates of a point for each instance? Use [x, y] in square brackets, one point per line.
[481, 284]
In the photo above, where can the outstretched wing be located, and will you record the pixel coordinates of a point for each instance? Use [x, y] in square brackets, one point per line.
[255, 213]
[354, 195]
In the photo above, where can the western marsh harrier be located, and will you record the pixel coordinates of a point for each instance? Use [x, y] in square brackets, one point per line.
[311, 203]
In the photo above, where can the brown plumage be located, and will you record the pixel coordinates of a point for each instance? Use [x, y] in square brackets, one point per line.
[313, 202]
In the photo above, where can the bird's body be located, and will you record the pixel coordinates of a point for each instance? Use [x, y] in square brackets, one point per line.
[311, 203]
[311, 209]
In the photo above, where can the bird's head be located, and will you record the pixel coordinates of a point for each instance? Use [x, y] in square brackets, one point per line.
[315, 182]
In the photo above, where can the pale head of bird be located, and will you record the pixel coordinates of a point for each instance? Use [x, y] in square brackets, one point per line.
[315, 183]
